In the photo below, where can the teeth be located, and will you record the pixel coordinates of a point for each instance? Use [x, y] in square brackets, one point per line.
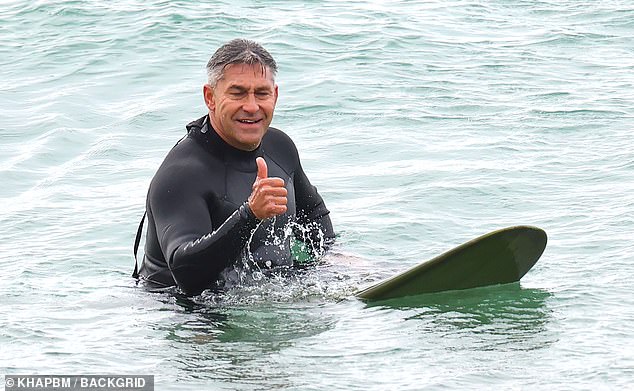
[248, 121]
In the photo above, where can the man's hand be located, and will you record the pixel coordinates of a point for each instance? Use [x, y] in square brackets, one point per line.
[268, 197]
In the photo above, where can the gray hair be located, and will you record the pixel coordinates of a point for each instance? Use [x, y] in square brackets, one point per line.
[238, 51]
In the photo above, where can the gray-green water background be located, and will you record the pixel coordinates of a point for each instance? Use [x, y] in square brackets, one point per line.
[423, 124]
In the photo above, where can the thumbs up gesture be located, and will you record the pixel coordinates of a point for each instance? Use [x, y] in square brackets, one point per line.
[268, 195]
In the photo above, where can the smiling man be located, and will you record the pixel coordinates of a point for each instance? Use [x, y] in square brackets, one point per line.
[232, 191]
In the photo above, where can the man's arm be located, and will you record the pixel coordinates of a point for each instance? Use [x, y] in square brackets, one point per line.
[195, 253]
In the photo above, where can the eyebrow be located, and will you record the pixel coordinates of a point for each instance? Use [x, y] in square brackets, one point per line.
[236, 87]
[241, 88]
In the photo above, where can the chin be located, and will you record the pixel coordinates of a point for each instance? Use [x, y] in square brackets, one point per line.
[250, 145]
[253, 139]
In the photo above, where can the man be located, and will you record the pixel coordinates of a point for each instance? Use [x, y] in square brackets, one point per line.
[232, 190]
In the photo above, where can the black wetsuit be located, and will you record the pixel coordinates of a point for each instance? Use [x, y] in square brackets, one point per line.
[199, 221]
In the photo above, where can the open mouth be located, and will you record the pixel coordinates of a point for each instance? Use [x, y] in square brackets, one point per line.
[249, 121]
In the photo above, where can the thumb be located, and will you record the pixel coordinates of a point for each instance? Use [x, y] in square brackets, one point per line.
[263, 171]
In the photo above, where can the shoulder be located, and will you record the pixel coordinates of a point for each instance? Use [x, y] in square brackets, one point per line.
[182, 164]
[281, 147]
[187, 153]
[276, 137]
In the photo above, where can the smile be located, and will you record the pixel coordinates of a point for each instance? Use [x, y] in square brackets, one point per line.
[249, 121]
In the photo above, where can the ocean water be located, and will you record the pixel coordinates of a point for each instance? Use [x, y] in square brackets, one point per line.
[423, 124]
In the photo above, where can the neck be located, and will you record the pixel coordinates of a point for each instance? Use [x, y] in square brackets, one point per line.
[218, 129]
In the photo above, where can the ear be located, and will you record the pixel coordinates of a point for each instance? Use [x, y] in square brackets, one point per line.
[276, 93]
[208, 95]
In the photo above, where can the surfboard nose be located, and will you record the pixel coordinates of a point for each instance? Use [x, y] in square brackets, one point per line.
[499, 257]
[528, 245]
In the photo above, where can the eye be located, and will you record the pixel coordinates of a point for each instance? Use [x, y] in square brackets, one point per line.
[237, 94]
[263, 94]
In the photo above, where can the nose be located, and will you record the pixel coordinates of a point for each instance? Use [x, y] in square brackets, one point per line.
[250, 105]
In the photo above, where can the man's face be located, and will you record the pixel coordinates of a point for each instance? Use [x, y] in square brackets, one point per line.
[241, 104]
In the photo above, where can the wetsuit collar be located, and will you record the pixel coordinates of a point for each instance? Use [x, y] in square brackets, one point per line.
[202, 131]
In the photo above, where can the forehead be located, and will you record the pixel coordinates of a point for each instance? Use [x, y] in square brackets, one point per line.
[247, 74]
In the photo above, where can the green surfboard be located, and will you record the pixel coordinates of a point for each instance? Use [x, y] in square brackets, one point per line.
[499, 257]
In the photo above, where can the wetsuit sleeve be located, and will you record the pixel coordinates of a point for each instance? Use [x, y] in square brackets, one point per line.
[194, 252]
[312, 215]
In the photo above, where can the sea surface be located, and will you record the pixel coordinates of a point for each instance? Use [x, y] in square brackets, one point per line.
[423, 124]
